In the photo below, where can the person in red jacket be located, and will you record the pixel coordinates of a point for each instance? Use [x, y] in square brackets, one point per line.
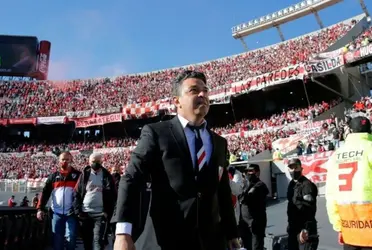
[11, 202]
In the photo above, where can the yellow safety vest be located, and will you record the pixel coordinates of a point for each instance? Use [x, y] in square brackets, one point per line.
[349, 190]
[233, 158]
[277, 156]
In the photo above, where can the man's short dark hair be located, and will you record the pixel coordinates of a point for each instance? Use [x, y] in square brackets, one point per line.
[177, 82]
[253, 167]
[65, 153]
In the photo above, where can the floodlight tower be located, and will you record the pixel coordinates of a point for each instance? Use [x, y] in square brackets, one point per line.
[276, 19]
[319, 21]
[365, 10]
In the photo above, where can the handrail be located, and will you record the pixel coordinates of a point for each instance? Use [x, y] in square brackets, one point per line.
[21, 230]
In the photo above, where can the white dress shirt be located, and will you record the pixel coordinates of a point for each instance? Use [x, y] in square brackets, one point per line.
[125, 227]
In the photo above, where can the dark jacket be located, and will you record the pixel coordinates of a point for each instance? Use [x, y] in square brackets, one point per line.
[253, 201]
[301, 208]
[184, 211]
[109, 192]
[116, 177]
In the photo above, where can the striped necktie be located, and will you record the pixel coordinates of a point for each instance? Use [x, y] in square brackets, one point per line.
[201, 156]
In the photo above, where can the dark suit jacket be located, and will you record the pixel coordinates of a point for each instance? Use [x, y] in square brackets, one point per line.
[184, 213]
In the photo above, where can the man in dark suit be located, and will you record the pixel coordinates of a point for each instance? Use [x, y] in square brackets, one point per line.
[191, 206]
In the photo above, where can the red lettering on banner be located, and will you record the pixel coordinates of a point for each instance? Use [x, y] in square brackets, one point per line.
[314, 166]
[23, 121]
[96, 121]
[319, 178]
[278, 76]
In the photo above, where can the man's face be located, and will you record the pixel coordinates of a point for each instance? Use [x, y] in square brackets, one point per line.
[193, 99]
[295, 170]
[294, 167]
[252, 172]
[65, 159]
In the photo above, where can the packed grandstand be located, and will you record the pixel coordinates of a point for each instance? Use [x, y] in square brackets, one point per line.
[41, 118]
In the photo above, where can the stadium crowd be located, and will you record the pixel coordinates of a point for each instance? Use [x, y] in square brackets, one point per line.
[40, 99]
[32, 161]
[363, 40]
[48, 98]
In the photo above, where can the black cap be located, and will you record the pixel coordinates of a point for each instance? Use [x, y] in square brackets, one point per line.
[360, 124]
[253, 167]
[293, 161]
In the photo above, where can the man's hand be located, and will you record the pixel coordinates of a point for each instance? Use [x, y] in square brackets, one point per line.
[233, 244]
[304, 236]
[123, 242]
[82, 216]
[40, 215]
[340, 238]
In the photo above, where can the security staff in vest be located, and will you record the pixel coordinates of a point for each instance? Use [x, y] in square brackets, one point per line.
[253, 220]
[301, 195]
[348, 187]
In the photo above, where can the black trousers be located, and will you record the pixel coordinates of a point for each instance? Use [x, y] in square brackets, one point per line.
[349, 247]
[93, 232]
[294, 243]
[252, 234]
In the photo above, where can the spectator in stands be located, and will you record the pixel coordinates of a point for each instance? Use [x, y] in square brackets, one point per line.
[47, 98]
[299, 148]
[309, 149]
[95, 198]
[60, 186]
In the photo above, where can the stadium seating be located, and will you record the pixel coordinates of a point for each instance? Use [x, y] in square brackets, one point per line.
[245, 138]
[48, 98]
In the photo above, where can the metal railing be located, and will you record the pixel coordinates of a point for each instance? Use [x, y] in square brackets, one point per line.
[20, 186]
[20, 229]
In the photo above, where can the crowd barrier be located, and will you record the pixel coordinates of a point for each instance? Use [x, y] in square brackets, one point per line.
[20, 229]
[22, 186]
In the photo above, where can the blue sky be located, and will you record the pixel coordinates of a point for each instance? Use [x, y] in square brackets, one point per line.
[106, 38]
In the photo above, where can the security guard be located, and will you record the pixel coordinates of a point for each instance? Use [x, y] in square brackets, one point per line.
[253, 219]
[349, 188]
[301, 195]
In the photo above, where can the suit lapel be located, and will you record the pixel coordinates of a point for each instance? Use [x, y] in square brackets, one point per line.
[180, 137]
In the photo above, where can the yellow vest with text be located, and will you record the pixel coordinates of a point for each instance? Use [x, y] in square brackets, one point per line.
[349, 190]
